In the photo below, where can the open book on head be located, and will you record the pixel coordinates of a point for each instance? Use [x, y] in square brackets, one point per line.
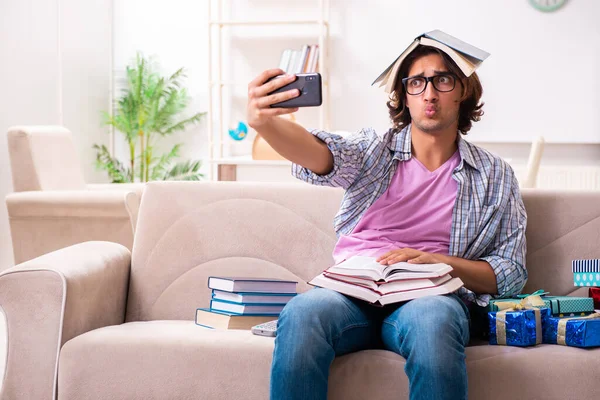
[366, 279]
[467, 57]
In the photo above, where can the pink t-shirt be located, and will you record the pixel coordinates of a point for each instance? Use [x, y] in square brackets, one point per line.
[415, 212]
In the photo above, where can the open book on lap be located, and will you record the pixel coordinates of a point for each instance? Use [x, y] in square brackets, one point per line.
[368, 280]
[364, 293]
[392, 286]
[368, 267]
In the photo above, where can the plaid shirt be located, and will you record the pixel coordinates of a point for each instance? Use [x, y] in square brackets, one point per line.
[488, 219]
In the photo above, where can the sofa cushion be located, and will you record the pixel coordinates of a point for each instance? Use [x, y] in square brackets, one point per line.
[179, 360]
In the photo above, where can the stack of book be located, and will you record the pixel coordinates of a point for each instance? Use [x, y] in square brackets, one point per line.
[241, 303]
[367, 279]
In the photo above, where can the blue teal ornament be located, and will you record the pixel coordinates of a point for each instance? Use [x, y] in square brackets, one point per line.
[240, 133]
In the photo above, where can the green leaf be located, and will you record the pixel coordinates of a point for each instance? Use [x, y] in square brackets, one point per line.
[159, 169]
[117, 172]
[151, 106]
[183, 124]
[184, 171]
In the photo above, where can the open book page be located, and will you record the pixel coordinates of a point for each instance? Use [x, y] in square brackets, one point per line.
[389, 287]
[447, 287]
[392, 75]
[392, 69]
[368, 267]
[458, 44]
[371, 296]
[467, 65]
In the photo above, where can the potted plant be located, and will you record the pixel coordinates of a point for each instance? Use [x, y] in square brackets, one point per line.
[149, 109]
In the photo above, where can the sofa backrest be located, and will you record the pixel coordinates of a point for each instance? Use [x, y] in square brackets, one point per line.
[44, 158]
[188, 231]
[561, 226]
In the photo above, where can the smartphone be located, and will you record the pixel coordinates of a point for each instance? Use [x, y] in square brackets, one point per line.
[265, 329]
[311, 91]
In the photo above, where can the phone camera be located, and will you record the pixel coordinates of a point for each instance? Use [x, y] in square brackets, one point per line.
[310, 78]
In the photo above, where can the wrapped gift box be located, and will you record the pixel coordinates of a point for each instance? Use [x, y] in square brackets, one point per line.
[576, 332]
[517, 328]
[586, 272]
[595, 295]
[559, 305]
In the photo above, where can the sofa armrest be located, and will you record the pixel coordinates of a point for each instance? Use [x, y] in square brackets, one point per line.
[53, 298]
[44, 221]
[68, 203]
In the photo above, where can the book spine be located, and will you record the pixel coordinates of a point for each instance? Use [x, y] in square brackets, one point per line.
[284, 63]
[315, 59]
[303, 56]
[248, 304]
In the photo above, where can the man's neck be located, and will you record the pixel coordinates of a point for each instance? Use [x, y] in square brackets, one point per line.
[433, 149]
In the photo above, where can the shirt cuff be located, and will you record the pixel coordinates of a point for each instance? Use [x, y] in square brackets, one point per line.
[508, 280]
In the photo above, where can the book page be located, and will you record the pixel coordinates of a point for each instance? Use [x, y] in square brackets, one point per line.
[393, 74]
[362, 263]
[361, 266]
[406, 266]
[462, 62]
[458, 44]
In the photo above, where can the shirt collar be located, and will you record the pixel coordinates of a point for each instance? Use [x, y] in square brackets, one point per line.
[400, 144]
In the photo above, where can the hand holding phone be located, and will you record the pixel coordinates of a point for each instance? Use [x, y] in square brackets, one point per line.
[310, 91]
[259, 111]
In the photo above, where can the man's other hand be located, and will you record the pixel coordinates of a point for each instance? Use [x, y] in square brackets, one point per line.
[409, 255]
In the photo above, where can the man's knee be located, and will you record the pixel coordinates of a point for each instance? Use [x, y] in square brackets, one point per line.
[315, 305]
[427, 323]
[435, 312]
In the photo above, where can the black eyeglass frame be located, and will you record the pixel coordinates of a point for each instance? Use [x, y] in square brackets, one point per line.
[430, 79]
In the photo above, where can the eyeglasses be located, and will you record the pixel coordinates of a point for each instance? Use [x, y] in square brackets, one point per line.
[441, 83]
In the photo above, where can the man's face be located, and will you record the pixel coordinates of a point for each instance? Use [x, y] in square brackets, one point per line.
[433, 111]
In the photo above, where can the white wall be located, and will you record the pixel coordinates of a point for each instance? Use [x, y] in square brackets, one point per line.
[525, 91]
[29, 78]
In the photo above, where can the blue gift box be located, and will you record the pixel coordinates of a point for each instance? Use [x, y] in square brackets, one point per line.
[517, 328]
[576, 331]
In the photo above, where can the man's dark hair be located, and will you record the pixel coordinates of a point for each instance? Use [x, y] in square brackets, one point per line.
[470, 107]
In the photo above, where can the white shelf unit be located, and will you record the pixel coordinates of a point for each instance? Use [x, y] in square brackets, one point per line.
[222, 167]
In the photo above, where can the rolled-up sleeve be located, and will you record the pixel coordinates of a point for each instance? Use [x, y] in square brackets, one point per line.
[349, 154]
[507, 253]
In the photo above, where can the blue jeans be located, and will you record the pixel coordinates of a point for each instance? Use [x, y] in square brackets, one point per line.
[430, 333]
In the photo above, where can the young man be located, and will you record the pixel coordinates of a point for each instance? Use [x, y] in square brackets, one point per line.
[420, 194]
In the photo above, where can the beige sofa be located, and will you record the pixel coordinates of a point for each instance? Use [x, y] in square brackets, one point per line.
[91, 322]
[52, 206]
